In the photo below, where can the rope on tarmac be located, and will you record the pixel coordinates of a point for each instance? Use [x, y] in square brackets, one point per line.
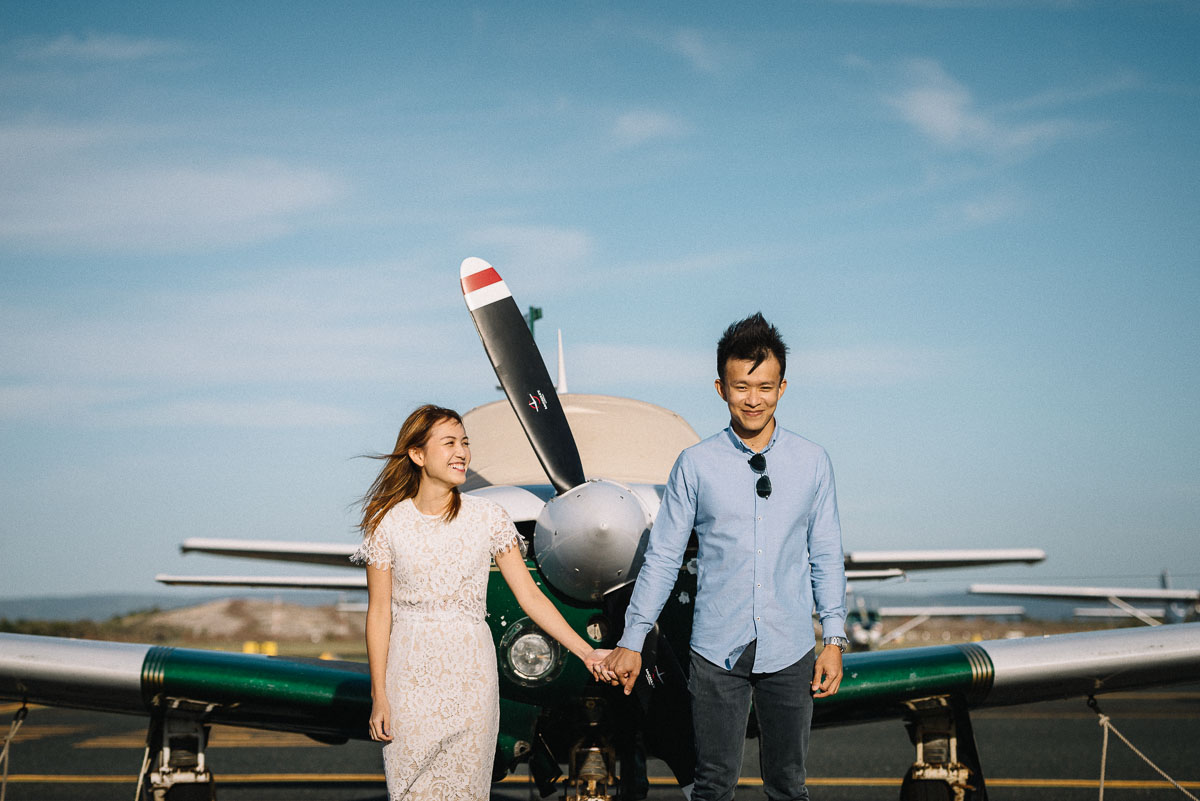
[18, 719]
[1106, 724]
[145, 765]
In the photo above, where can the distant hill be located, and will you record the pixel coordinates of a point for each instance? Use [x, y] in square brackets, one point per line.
[255, 619]
[104, 607]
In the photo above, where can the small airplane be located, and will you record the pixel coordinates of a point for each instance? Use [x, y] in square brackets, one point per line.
[865, 621]
[587, 535]
[1181, 605]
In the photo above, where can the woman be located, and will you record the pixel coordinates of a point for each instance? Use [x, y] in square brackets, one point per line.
[428, 550]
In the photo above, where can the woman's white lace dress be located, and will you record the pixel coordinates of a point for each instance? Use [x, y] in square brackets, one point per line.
[441, 665]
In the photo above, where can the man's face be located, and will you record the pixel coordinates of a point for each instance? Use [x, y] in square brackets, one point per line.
[751, 396]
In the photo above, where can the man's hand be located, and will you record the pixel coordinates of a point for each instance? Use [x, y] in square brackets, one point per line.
[827, 676]
[621, 667]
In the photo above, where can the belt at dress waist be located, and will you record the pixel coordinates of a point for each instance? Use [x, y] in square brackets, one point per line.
[418, 613]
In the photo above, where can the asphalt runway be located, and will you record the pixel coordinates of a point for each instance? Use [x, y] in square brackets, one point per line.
[1038, 752]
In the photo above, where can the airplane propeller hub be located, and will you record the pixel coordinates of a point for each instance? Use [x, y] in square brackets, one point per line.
[589, 540]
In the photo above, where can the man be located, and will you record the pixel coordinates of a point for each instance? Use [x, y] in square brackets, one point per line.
[761, 501]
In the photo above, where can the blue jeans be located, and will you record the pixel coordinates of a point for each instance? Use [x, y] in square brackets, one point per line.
[720, 709]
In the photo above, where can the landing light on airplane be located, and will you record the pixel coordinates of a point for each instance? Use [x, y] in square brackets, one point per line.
[530, 657]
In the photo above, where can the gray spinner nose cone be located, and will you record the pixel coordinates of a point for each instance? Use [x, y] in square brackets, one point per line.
[588, 541]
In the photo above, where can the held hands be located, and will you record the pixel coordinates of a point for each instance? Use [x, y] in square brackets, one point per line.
[827, 676]
[594, 659]
[621, 666]
[380, 723]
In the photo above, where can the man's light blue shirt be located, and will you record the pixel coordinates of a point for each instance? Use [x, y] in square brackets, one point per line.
[764, 564]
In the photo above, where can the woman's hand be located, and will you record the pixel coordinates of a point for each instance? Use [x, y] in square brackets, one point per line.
[380, 724]
[594, 662]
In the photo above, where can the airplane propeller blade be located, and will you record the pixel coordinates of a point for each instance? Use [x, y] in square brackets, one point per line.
[522, 373]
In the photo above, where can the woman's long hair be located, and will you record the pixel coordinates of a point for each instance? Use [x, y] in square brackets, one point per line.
[400, 477]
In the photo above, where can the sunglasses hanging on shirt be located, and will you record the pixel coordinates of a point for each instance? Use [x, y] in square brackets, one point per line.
[758, 463]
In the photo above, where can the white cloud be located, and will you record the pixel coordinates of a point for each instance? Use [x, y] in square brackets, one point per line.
[273, 413]
[944, 110]
[1103, 86]
[548, 255]
[689, 266]
[95, 48]
[30, 146]
[108, 187]
[300, 326]
[113, 207]
[127, 406]
[638, 127]
[637, 365]
[991, 209]
[294, 348]
[702, 51]
[871, 365]
[49, 401]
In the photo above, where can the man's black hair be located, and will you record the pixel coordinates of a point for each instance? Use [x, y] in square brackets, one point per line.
[752, 338]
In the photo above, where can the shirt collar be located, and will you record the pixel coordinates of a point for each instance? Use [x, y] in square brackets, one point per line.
[737, 441]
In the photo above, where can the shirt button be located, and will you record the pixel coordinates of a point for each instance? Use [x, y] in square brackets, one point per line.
[760, 517]
[756, 617]
[760, 550]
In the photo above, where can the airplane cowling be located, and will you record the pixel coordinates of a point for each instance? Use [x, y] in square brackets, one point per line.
[589, 540]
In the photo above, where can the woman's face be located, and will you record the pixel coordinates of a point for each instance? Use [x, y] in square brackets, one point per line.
[445, 455]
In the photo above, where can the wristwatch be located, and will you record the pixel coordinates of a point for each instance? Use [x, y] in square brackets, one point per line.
[841, 642]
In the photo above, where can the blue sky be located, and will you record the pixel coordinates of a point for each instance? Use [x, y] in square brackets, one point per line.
[230, 237]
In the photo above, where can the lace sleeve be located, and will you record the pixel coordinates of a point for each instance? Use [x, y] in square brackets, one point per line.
[374, 549]
[503, 533]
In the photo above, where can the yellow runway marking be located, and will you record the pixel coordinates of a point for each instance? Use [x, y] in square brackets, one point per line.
[221, 737]
[34, 732]
[1143, 695]
[224, 778]
[1091, 784]
[1031, 783]
[987, 714]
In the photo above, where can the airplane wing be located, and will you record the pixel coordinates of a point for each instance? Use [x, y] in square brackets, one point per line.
[939, 559]
[332, 700]
[869, 575]
[1120, 597]
[526, 502]
[950, 611]
[1068, 593]
[1109, 612]
[315, 553]
[355, 582]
